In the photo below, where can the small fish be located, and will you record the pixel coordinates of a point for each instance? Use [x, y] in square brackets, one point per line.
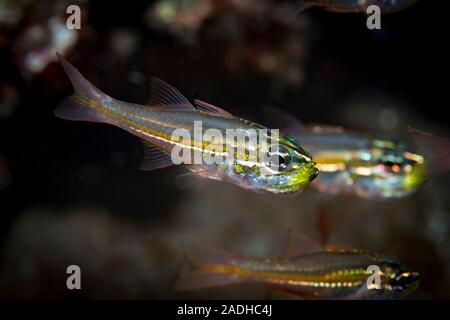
[307, 270]
[347, 6]
[356, 164]
[168, 111]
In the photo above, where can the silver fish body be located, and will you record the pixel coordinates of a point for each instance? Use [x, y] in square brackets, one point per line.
[170, 113]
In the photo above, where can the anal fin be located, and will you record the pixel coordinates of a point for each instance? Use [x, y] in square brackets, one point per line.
[154, 158]
[201, 280]
[203, 257]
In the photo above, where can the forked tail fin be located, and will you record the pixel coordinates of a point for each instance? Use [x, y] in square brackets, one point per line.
[435, 150]
[211, 267]
[83, 105]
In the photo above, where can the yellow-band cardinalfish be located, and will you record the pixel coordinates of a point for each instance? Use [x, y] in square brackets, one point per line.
[347, 6]
[168, 111]
[306, 269]
[355, 163]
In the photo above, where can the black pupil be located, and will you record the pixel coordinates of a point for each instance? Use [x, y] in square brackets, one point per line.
[389, 163]
[279, 159]
[404, 281]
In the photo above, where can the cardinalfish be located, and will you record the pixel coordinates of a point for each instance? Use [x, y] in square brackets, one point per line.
[306, 269]
[347, 6]
[285, 168]
[357, 164]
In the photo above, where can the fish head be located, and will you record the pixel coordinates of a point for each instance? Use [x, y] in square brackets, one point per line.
[398, 171]
[285, 168]
[397, 280]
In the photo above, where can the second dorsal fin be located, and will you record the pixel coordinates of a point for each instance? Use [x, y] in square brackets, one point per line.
[299, 244]
[204, 106]
[165, 95]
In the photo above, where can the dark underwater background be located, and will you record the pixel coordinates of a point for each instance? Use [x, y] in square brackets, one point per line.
[71, 192]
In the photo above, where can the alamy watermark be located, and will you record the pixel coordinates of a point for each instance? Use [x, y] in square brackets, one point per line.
[374, 18]
[74, 280]
[374, 280]
[215, 147]
[74, 20]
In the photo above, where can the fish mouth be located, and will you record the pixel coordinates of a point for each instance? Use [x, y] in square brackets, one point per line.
[299, 180]
[309, 174]
[314, 172]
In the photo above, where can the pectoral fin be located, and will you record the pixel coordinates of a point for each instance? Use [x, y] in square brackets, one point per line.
[192, 179]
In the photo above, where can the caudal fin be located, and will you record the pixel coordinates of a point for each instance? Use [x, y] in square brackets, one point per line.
[435, 150]
[211, 268]
[84, 103]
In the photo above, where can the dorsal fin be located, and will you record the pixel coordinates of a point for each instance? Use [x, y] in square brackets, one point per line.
[204, 106]
[165, 95]
[435, 150]
[299, 244]
[279, 119]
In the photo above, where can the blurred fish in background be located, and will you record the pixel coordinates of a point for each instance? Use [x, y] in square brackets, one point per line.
[71, 193]
[355, 163]
[348, 6]
[250, 34]
[306, 269]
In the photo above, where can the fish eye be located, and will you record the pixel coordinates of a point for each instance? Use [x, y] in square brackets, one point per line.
[280, 159]
[389, 164]
[392, 163]
[405, 280]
